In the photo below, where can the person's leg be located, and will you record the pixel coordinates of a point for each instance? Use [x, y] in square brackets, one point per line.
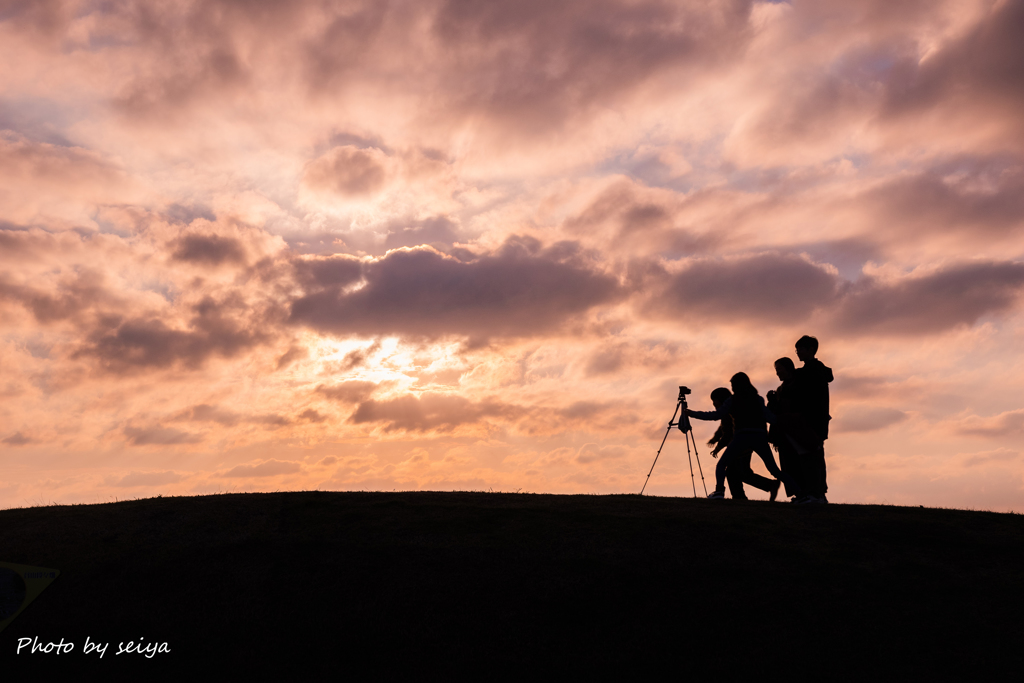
[816, 479]
[735, 474]
[764, 451]
[789, 462]
[737, 448]
[720, 470]
[757, 481]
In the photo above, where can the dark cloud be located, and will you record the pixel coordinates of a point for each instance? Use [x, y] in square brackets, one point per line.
[438, 412]
[17, 439]
[159, 436]
[357, 358]
[866, 418]
[349, 392]
[519, 290]
[75, 295]
[310, 415]
[207, 413]
[217, 328]
[229, 418]
[184, 214]
[583, 410]
[774, 288]
[348, 171]
[343, 44]
[533, 64]
[46, 17]
[336, 271]
[293, 354]
[982, 70]
[1010, 423]
[784, 289]
[967, 193]
[209, 250]
[972, 83]
[957, 295]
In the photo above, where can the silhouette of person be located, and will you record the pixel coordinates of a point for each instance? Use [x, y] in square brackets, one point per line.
[722, 435]
[749, 417]
[790, 433]
[738, 472]
[812, 382]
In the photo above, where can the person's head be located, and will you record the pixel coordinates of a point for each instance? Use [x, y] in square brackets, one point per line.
[784, 368]
[806, 347]
[720, 396]
[741, 384]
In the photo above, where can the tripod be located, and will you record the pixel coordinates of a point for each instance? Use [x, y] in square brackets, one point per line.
[687, 429]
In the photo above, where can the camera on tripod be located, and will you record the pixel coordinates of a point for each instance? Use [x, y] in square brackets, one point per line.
[684, 426]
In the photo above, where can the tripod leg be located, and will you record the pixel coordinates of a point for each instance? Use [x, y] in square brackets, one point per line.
[702, 482]
[692, 482]
[661, 446]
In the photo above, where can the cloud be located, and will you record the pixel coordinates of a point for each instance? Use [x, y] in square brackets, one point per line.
[149, 479]
[774, 288]
[348, 171]
[978, 72]
[965, 193]
[865, 418]
[229, 418]
[267, 468]
[989, 458]
[159, 436]
[592, 452]
[207, 413]
[956, 295]
[17, 439]
[43, 164]
[353, 391]
[310, 415]
[437, 412]
[211, 250]
[534, 65]
[1009, 423]
[519, 290]
[72, 297]
[131, 345]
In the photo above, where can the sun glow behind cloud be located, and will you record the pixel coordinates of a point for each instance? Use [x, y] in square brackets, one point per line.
[477, 245]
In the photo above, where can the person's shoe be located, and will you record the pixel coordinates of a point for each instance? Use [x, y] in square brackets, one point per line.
[773, 492]
[804, 500]
[823, 499]
[716, 495]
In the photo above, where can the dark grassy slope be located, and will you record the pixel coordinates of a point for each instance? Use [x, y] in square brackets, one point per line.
[500, 584]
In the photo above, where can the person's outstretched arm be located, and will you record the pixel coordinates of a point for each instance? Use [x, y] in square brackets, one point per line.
[712, 414]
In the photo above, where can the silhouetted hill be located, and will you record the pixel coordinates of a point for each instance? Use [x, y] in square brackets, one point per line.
[518, 586]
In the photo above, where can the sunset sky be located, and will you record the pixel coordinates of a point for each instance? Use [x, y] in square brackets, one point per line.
[477, 244]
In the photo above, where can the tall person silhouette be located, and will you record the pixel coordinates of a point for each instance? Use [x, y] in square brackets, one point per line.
[812, 382]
